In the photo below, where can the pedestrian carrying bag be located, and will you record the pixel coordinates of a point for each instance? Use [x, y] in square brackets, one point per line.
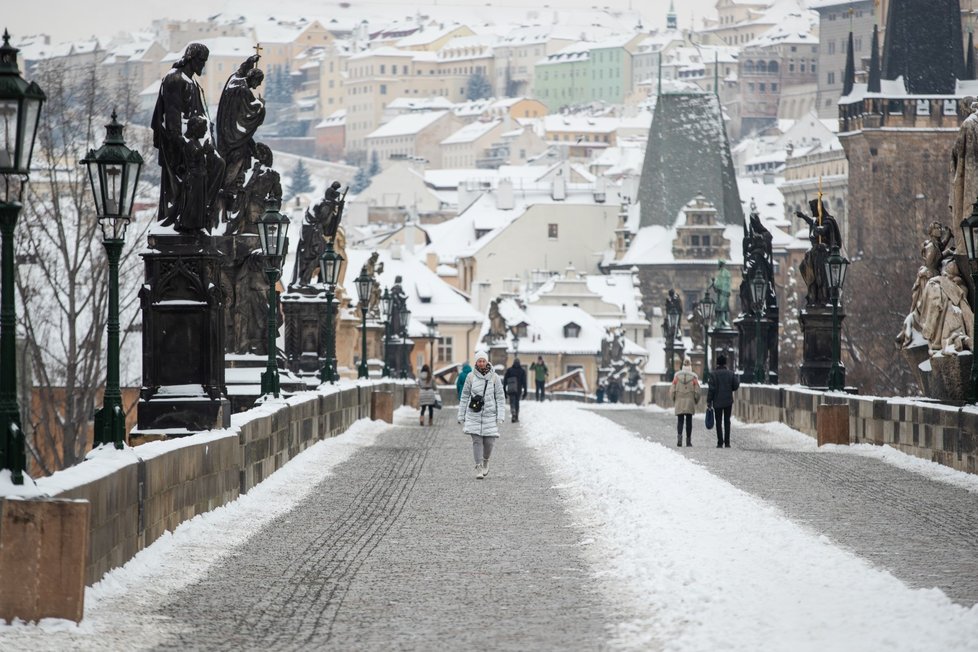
[709, 418]
[512, 386]
[476, 403]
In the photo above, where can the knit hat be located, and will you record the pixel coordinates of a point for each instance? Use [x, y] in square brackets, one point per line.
[479, 355]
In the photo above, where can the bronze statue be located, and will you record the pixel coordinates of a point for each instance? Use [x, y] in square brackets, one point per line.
[673, 303]
[239, 115]
[200, 160]
[823, 233]
[695, 320]
[721, 286]
[758, 256]
[251, 305]
[319, 225]
[181, 98]
[964, 168]
[264, 183]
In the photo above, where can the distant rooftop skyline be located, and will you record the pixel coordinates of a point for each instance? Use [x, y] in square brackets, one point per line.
[104, 18]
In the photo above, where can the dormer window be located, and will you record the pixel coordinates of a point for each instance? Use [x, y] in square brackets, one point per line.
[520, 329]
[572, 330]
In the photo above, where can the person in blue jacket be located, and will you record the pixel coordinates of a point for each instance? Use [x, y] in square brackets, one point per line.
[466, 368]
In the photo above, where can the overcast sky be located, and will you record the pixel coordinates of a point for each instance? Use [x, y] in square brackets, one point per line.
[69, 20]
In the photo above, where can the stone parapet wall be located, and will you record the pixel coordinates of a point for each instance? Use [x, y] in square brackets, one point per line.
[139, 493]
[941, 433]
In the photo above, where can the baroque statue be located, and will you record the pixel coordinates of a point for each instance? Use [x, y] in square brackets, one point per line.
[823, 234]
[721, 286]
[758, 256]
[186, 205]
[964, 167]
[264, 183]
[319, 225]
[239, 115]
[673, 303]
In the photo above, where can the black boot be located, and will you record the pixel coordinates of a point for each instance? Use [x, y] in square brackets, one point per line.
[679, 441]
[689, 440]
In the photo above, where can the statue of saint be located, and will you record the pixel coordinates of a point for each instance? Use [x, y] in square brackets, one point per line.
[935, 250]
[759, 256]
[497, 324]
[946, 319]
[721, 285]
[964, 168]
[263, 184]
[398, 301]
[181, 98]
[823, 234]
[251, 305]
[320, 224]
[695, 320]
[673, 303]
[200, 159]
[239, 114]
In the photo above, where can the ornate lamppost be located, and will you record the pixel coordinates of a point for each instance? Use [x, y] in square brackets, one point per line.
[835, 270]
[432, 334]
[385, 315]
[758, 292]
[113, 170]
[364, 284]
[272, 231]
[405, 317]
[969, 228]
[706, 308]
[329, 272]
[20, 114]
[672, 323]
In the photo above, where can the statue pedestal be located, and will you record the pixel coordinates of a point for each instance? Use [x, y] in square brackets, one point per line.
[950, 377]
[747, 346]
[305, 331]
[497, 355]
[678, 355]
[723, 341]
[243, 283]
[918, 358]
[816, 326]
[243, 376]
[183, 337]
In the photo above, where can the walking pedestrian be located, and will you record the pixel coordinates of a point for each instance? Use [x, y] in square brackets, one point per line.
[428, 395]
[540, 373]
[685, 392]
[480, 411]
[514, 381]
[723, 383]
[466, 368]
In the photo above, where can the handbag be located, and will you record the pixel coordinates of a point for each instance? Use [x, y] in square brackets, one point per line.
[437, 401]
[476, 403]
[709, 418]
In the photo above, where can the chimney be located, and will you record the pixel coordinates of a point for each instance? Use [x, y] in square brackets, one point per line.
[558, 189]
[600, 194]
[468, 193]
[432, 261]
[504, 195]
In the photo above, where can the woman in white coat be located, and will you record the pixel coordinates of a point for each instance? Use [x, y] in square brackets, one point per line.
[481, 408]
[685, 394]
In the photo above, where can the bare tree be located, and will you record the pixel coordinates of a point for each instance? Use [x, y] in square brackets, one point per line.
[63, 288]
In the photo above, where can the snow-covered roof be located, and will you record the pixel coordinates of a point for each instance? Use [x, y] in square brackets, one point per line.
[407, 124]
[580, 124]
[443, 302]
[428, 36]
[385, 51]
[619, 289]
[334, 119]
[471, 132]
[222, 46]
[420, 103]
[799, 27]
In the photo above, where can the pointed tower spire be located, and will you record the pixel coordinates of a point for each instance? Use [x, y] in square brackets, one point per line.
[672, 21]
[874, 63]
[969, 59]
[923, 45]
[849, 79]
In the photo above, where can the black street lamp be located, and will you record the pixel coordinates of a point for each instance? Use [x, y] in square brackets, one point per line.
[113, 170]
[20, 114]
[672, 323]
[432, 334]
[386, 301]
[405, 316]
[329, 273]
[969, 228]
[273, 232]
[706, 308]
[364, 285]
[835, 270]
[758, 291]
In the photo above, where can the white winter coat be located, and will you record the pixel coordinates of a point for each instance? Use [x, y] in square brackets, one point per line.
[486, 422]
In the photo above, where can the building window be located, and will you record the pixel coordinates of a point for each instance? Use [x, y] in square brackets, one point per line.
[552, 231]
[706, 241]
[694, 240]
[830, 78]
[445, 352]
[774, 87]
[572, 330]
[383, 69]
[383, 89]
[831, 46]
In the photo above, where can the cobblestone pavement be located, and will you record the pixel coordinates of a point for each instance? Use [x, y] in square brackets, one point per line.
[403, 549]
[922, 531]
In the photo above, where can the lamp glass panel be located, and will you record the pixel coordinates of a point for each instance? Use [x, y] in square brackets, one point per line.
[970, 233]
[758, 286]
[111, 178]
[363, 288]
[282, 234]
[129, 187]
[96, 181]
[9, 110]
[32, 113]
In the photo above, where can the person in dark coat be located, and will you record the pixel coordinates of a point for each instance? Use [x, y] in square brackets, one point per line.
[514, 382]
[723, 383]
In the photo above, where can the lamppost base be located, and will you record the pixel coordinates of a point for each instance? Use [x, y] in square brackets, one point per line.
[270, 383]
